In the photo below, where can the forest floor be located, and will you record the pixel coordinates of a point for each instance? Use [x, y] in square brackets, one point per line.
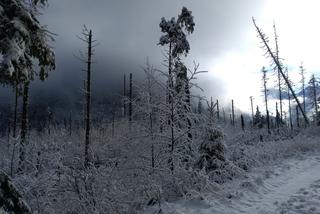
[287, 186]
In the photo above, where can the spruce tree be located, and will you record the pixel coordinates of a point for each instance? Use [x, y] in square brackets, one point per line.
[23, 41]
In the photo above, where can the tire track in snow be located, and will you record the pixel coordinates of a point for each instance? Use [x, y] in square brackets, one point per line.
[280, 188]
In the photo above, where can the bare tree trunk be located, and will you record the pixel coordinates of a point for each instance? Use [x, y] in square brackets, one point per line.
[113, 120]
[266, 96]
[130, 102]
[124, 96]
[242, 122]
[314, 90]
[70, 123]
[289, 99]
[232, 113]
[151, 129]
[297, 114]
[290, 111]
[24, 124]
[278, 71]
[218, 110]
[8, 131]
[251, 101]
[303, 86]
[88, 101]
[15, 111]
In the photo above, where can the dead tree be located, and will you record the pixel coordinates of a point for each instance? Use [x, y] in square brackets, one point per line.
[70, 123]
[150, 72]
[211, 110]
[297, 114]
[88, 99]
[302, 70]
[242, 122]
[232, 106]
[8, 132]
[87, 59]
[49, 120]
[130, 102]
[124, 96]
[252, 113]
[15, 111]
[218, 110]
[278, 71]
[289, 99]
[200, 108]
[269, 52]
[313, 84]
[278, 119]
[24, 124]
[265, 91]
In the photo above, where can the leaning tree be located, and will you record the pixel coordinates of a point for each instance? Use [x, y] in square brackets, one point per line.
[277, 64]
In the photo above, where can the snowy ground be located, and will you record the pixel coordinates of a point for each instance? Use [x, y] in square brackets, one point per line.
[290, 187]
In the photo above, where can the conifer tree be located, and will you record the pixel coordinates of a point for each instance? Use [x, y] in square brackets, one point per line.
[175, 36]
[302, 72]
[313, 85]
[23, 40]
[258, 119]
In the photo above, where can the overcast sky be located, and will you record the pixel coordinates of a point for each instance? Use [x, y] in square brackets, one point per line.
[224, 41]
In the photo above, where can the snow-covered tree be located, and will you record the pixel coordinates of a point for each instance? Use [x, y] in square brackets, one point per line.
[11, 200]
[22, 41]
[174, 35]
[212, 150]
[258, 119]
[314, 83]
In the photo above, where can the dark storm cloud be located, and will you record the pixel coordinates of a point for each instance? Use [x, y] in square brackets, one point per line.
[128, 32]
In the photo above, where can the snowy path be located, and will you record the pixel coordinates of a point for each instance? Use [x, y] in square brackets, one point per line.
[280, 188]
[293, 187]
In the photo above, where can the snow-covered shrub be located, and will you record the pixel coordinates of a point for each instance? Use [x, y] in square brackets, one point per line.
[213, 157]
[212, 150]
